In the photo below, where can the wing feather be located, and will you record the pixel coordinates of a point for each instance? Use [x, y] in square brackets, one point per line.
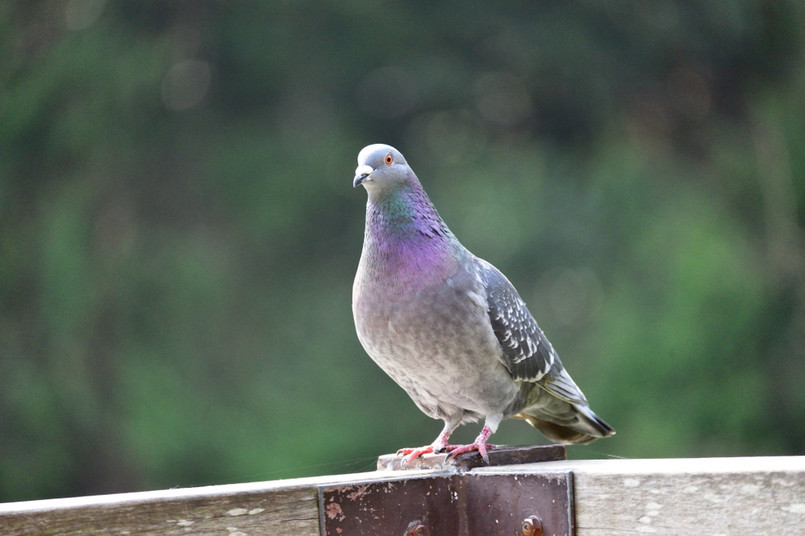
[527, 353]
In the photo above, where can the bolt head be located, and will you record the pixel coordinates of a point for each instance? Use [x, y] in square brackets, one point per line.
[532, 526]
[417, 528]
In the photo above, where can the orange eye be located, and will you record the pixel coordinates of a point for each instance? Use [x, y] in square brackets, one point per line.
[389, 159]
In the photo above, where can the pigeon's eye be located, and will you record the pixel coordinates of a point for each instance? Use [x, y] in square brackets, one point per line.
[388, 160]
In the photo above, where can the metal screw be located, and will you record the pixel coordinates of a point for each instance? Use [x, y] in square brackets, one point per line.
[417, 528]
[532, 526]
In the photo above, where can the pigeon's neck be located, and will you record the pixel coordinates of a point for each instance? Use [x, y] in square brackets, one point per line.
[407, 215]
[405, 235]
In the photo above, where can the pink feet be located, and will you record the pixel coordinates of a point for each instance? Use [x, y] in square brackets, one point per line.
[480, 445]
[412, 454]
[437, 446]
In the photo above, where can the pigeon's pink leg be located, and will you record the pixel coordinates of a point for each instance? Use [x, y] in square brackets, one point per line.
[440, 445]
[480, 444]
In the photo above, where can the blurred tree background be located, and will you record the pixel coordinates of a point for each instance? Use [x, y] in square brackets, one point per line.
[178, 230]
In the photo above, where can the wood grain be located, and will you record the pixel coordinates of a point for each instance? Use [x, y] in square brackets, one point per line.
[714, 496]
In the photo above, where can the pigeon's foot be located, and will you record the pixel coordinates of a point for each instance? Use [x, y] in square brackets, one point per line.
[412, 454]
[440, 445]
[480, 448]
[480, 445]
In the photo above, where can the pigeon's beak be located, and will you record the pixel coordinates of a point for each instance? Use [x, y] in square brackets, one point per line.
[362, 174]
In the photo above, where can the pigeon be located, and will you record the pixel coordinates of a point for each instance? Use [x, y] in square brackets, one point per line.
[448, 327]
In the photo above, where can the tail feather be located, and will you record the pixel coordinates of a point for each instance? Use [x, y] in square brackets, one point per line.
[582, 427]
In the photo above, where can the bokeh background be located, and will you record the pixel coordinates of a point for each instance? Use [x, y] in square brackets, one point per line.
[178, 230]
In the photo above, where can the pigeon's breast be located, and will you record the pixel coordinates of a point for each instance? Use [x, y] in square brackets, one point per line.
[432, 335]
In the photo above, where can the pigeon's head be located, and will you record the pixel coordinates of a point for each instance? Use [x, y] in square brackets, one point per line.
[380, 167]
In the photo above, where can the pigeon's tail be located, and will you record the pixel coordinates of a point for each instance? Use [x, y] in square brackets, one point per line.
[584, 426]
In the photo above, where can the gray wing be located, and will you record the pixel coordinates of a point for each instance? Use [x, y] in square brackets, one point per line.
[527, 354]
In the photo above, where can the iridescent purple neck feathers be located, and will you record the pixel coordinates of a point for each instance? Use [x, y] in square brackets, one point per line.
[405, 237]
[404, 212]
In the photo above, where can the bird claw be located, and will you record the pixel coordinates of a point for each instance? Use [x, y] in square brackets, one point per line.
[411, 454]
[480, 445]
[480, 448]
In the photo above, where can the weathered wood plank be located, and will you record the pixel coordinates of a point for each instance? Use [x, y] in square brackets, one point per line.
[278, 507]
[668, 496]
[713, 496]
[292, 509]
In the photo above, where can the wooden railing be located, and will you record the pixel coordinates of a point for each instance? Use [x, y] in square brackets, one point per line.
[708, 496]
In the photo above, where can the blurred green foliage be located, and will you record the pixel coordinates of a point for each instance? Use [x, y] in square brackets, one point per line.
[178, 233]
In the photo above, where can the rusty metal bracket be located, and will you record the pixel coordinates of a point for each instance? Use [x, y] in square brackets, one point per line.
[467, 504]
